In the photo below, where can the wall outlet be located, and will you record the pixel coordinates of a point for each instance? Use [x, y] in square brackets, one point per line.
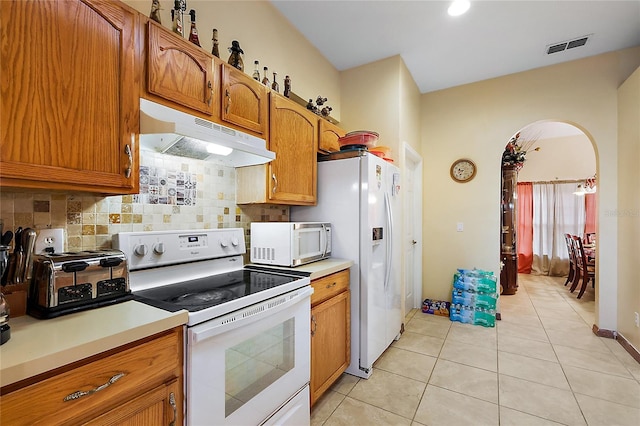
[460, 226]
[637, 319]
[50, 241]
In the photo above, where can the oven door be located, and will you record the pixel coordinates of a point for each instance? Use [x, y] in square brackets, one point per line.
[242, 368]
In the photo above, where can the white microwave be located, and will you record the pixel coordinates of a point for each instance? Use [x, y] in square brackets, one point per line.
[290, 243]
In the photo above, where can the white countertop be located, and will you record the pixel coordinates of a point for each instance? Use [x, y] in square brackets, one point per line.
[317, 269]
[37, 346]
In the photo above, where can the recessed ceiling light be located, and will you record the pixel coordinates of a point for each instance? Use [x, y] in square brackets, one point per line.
[458, 7]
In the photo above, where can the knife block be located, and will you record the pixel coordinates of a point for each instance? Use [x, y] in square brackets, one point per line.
[16, 297]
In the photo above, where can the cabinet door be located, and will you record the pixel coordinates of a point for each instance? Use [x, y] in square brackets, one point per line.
[329, 135]
[159, 406]
[69, 103]
[330, 342]
[180, 71]
[244, 101]
[293, 136]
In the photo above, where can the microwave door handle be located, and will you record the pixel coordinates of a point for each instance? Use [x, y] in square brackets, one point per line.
[326, 240]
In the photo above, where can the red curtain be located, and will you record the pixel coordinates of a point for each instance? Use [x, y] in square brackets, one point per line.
[590, 209]
[525, 227]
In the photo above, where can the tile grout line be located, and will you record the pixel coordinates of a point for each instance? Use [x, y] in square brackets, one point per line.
[573, 394]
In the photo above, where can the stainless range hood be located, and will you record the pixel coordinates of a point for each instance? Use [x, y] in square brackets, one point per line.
[173, 132]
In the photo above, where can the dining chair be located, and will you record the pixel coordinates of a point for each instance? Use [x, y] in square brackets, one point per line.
[572, 264]
[585, 270]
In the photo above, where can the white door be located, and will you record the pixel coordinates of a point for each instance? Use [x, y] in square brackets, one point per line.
[412, 233]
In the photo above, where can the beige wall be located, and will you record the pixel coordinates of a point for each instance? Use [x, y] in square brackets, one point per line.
[628, 212]
[563, 158]
[264, 35]
[382, 97]
[476, 121]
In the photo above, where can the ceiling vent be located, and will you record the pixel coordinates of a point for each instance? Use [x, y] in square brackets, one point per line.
[566, 45]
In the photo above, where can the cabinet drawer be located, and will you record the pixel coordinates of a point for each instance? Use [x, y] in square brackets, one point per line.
[329, 286]
[91, 389]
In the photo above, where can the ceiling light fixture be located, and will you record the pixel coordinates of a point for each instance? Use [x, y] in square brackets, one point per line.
[458, 7]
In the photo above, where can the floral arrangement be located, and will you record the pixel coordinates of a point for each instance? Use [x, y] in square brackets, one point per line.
[516, 151]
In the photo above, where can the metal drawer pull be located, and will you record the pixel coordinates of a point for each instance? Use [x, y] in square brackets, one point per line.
[210, 86]
[172, 402]
[275, 183]
[315, 325]
[228, 96]
[80, 394]
[331, 285]
[127, 151]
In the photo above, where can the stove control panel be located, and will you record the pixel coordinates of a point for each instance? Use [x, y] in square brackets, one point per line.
[158, 248]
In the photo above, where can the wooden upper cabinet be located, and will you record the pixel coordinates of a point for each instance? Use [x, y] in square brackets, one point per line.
[69, 105]
[244, 101]
[293, 136]
[180, 71]
[329, 135]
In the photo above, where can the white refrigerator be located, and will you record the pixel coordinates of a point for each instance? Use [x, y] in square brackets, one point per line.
[359, 196]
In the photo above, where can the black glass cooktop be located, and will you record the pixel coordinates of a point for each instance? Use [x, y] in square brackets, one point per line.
[202, 293]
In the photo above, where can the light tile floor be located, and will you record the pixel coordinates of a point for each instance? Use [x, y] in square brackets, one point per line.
[540, 365]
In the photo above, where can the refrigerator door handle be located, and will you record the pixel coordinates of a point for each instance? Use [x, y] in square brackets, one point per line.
[389, 244]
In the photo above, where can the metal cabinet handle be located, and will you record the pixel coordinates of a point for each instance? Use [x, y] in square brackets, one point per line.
[172, 402]
[127, 170]
[80, 394]
[275, 183]
[331, 285]
[210, 86]
[315, 325]
[227, 94]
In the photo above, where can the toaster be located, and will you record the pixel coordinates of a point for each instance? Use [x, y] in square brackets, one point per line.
[63, 283]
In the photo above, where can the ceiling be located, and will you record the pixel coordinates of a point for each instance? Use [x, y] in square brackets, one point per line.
[494, 38]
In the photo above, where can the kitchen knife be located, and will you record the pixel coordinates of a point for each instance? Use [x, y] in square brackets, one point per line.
[28, 243]
[17, 259]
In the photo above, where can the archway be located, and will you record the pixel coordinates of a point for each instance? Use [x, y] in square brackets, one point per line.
[560, 155]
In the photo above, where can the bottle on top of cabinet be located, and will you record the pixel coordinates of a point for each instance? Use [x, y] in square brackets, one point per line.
[256, 71]
[178, 22]
[193, 33]
[214, 50]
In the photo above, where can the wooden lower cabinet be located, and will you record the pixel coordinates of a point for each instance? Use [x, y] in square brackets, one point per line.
[330, 331]
[137, 384]
[156, 407]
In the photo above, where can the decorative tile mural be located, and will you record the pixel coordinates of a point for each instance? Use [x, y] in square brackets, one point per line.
[161, 186]
[178, 193]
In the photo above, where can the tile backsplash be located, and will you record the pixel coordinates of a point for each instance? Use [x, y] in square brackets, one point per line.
[175, 193]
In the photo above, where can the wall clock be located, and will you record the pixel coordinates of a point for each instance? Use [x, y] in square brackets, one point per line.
[463, 170]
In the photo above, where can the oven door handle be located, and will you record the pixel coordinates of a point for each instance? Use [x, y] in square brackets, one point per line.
[248, 315]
